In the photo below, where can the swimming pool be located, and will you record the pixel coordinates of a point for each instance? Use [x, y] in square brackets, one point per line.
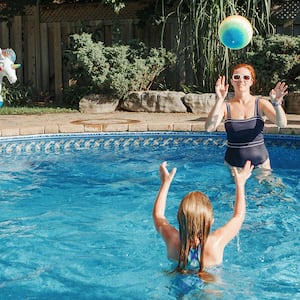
[75, 219]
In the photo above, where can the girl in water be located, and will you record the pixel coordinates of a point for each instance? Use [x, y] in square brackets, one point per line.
[193, 246]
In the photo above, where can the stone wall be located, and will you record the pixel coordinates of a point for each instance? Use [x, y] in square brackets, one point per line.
[150, 101]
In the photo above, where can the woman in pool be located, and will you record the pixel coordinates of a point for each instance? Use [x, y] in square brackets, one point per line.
[193, 246]
[244, 117]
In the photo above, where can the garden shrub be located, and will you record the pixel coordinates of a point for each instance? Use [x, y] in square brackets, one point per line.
[115, 70]
[275, 58]
[16, 94]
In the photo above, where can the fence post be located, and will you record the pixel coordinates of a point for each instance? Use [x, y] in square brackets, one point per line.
[4, 35]
[17, 42]
[58, 84]
[36, 13]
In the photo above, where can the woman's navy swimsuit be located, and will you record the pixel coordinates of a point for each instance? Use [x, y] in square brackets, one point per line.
[245, 139]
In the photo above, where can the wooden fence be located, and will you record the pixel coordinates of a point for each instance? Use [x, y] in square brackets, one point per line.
[41, 36]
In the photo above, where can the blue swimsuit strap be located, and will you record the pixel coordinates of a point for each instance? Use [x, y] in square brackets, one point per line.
[194, 255]
[256, 107]
[228, 110]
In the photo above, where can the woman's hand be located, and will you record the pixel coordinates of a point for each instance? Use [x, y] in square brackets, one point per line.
[221, 88]
[165, 176]
[279, 91]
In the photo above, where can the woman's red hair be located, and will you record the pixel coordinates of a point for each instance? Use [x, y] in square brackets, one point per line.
[249, 67]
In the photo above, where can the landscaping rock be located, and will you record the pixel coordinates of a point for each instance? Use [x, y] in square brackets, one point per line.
[199, 103]
[155, 101]
[96, 103]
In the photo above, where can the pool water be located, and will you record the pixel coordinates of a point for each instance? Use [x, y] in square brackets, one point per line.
[75, 218]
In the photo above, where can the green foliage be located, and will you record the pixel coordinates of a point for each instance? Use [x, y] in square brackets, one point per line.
[197, 41]
[117, 5]
[5, 110]
[275, 58]
[73, 94]
[15, 8]
[17, 94]
[115, 70]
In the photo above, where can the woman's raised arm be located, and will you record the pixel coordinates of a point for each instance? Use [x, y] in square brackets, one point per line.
[216, 114]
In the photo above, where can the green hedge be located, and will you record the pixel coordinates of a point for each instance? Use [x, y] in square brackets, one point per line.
[275, 58]
[114, 70]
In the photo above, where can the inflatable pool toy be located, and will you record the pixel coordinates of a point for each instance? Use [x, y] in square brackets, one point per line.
[7, 68]
[235, 32]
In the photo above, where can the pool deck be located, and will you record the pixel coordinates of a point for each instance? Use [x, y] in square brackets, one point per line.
[119, 121]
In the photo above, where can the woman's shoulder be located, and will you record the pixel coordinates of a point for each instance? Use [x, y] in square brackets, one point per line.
[263, 103]
[262, 99]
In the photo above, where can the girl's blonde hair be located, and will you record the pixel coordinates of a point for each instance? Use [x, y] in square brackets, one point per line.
[195, 217]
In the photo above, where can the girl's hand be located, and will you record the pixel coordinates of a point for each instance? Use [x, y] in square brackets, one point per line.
[242, 175]
[165, 176]
[279, 91]
[221, 88]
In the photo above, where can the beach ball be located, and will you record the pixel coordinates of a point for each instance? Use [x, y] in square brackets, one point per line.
[235, 32]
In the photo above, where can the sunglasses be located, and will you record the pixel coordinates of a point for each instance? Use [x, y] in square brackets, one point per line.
[237, 77]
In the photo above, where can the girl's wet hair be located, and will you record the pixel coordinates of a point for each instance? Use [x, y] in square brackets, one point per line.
[195, 217]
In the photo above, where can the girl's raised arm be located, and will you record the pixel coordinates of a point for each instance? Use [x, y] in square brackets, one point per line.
[168, 232]
[226, 233]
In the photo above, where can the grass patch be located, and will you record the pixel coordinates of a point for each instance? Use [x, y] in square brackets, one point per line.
[34, 110]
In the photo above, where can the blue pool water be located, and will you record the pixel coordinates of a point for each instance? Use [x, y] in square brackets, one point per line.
[75, 218]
